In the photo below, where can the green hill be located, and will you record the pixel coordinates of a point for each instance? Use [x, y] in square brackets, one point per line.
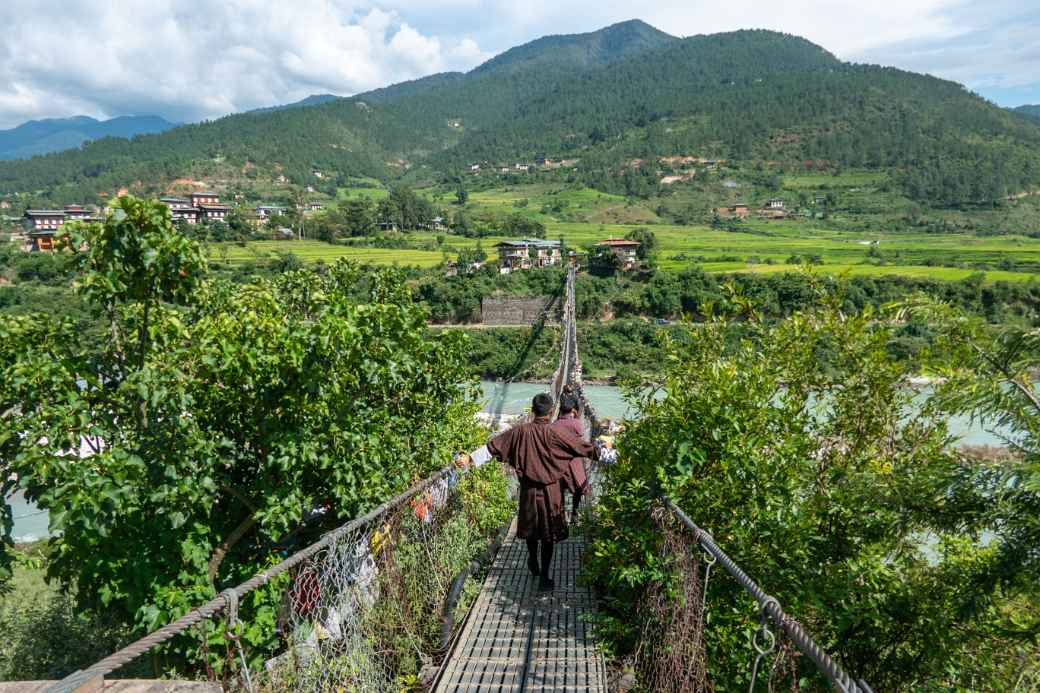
[607, 98]
[592, 49]
[1032, 110]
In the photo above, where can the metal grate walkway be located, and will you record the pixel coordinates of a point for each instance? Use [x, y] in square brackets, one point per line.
[517, 639]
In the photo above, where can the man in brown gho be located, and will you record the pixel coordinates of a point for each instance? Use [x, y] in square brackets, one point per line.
[541, 454]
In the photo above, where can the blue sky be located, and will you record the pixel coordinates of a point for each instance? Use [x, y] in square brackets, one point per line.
[193, 59]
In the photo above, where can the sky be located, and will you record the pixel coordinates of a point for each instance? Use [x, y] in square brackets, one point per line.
[188, 60]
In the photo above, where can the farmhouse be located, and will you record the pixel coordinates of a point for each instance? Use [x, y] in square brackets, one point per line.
[739, 210]
[624, 250]
[527, 253]
[41, 225]
[265, 212]
[773, 209]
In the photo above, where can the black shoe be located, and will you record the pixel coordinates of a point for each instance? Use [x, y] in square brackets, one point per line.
[546, 585]
[532, 565]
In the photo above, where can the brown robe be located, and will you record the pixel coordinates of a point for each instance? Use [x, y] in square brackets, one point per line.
[576, 479]
[541, 455]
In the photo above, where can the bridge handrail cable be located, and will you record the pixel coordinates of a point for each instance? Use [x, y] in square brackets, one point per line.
[232, 595]
[769, 606]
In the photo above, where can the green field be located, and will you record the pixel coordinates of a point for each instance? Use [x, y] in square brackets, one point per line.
[313, 251]
[862, 235]
[714, 250]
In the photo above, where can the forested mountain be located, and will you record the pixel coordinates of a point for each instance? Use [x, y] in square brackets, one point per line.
[56, 134]
[596, 48]
[623, 93]
[1032, 110]
[312, 100]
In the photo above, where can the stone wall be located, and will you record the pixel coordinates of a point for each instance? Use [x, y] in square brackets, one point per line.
[512, 310]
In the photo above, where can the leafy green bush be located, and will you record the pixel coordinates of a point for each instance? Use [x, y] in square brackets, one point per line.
[800, 450]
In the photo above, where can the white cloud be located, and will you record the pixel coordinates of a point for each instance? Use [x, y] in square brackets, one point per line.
[188, 60]
[191, 59]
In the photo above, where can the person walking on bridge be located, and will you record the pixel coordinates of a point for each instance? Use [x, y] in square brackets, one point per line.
[576, 480]
[541, 454]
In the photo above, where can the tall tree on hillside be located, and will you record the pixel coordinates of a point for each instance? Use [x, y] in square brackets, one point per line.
[359, 216]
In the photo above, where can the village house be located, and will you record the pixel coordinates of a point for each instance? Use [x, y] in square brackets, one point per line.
[315, 206]
[625, 251]
[475, 168]
[181, 209]
[41, 225]
[739, 210]
[527, 253]
[265, 212]
[521, 167]
[196, 207]
[773, 209]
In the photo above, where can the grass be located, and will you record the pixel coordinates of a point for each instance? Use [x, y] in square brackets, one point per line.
[866, 233]
[313, 251]
[723, 251]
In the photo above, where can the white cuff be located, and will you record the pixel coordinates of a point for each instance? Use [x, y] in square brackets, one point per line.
[480, 456]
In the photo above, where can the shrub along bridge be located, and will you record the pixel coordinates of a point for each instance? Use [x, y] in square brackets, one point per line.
[513, 638]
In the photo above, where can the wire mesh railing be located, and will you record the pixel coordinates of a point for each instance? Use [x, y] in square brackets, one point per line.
[359, 609]
[691, 613]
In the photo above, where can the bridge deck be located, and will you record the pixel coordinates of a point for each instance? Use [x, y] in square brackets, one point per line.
[517, 639]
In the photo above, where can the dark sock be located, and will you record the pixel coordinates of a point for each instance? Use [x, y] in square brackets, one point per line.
[547, 556]
[532, 556]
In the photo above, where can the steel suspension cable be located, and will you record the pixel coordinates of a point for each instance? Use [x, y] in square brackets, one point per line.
[771, 607]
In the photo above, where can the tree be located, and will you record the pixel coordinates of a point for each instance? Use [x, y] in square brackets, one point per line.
[216, 416]
[461, 196]
[603, 261]
[647, 242]
[359, 216]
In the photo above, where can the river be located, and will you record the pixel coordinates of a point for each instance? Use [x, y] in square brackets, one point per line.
[511, 398]
[515, 398]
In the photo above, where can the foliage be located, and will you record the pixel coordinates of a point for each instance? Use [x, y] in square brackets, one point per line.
[212, 428]
[406, 618]
[45, 636]
[801, 451]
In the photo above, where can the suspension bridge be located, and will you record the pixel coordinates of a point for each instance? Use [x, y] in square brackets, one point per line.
[513, 637]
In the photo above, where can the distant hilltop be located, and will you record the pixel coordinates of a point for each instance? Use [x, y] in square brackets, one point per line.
[58, 134]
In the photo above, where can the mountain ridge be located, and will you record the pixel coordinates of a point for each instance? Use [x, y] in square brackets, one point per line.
[627, 92]
[1031, 110]
[47, 135]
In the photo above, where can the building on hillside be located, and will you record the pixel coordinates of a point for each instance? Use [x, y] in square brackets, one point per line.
[41, 225]
[773, 209]
[44, 219]
[4, 204]
[315, 206]
[475, 168]
[265, 212]
[625, 251]
[181, 209]
[739, 210]
[523, 168]
[527, 253]
[204, 198]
